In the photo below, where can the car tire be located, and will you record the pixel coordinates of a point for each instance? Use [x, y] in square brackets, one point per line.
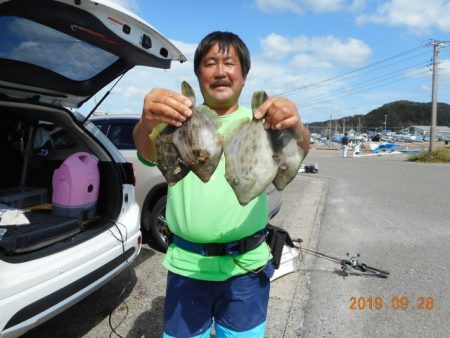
[158, 238]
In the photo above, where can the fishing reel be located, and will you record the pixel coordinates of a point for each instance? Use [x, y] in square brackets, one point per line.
[347, 265]
[352, 263]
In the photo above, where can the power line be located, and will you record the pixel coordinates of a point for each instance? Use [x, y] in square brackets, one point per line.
[328, 98]
[364, 85]
[286, 93]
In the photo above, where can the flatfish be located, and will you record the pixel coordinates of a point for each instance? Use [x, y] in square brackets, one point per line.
[288, 154]
[194, 146]
[197, 141]
[250, 165]
[169, 161]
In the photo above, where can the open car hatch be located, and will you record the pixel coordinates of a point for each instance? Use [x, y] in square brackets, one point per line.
[63, 52]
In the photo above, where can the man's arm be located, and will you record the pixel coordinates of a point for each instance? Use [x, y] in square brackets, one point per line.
[160, 106]
[144, 145]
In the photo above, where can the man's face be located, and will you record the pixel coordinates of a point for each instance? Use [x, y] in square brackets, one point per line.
[220, 78]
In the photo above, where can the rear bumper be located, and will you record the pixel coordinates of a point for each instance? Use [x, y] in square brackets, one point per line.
[35, 291]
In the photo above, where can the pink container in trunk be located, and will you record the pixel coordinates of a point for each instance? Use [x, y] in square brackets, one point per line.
[75, 186]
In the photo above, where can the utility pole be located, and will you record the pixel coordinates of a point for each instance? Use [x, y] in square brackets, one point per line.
[329, 133]
[436, 46]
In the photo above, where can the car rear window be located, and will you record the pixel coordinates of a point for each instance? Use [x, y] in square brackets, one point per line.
[28, 41]
[118, 130]
[121, 135]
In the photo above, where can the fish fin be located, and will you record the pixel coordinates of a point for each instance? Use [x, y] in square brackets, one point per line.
[258, 99]
[187, 91]
[156, 131]
[214, 117]
[234, 128]
[221, 140]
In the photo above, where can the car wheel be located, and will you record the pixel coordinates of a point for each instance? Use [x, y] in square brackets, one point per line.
[158, 226]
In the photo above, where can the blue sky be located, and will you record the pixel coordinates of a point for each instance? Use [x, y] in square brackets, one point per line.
[333, 58]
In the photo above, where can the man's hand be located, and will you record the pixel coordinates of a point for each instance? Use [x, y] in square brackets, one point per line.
[160, 106]
[165, 106]
[281, 113]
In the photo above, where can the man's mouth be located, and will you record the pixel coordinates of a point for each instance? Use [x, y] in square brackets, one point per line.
[220, 84]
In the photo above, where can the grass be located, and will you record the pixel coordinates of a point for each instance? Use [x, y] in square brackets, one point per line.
[440, 155]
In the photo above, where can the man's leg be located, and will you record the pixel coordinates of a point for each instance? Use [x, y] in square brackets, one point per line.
[187, 308]
[241, 303]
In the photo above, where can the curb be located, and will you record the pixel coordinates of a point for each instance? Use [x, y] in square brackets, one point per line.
[290, 293]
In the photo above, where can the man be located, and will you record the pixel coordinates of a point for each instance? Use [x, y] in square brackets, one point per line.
[344, 145]
[229, 281]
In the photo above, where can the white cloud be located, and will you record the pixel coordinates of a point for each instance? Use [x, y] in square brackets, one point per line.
[301, 6]
[305, 52]
[418, 15]
[278, 47]
[188, 49]
[275, 78]
[325, 5]
[308, 61]
[357, 5]
[279, 6]
[351, 52]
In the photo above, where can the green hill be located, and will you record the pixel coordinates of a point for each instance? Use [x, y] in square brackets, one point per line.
[398, 115]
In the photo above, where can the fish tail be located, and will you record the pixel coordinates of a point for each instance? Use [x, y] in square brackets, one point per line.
[187, 91]
[157, 131]
[258, 99]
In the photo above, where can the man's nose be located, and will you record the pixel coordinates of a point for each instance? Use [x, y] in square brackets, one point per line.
[220, 70]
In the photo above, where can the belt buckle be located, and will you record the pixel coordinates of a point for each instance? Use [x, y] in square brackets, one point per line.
[232, 249]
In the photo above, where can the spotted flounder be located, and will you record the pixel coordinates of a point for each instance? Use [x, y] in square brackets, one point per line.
[288, 154]
[195, 145]
[169, 161]
[197, 140]
[250, 165]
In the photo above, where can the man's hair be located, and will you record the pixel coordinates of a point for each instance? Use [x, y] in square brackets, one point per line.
[225, 40]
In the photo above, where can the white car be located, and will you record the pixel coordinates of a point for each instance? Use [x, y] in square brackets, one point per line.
[84, 222]
[151, 187]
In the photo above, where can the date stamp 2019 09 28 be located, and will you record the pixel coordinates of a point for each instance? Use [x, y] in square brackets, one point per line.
[396, 303]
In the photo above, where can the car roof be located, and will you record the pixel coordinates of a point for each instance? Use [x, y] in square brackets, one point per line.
[104, 118]
[62, 52]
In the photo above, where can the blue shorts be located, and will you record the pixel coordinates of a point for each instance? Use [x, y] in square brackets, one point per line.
[238, 305]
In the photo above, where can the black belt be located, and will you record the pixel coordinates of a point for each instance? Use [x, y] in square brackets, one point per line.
[222, 249]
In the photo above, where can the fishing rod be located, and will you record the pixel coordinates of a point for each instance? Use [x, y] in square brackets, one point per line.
[348, 264]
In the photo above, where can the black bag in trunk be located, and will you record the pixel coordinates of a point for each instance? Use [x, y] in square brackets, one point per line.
[44, 229]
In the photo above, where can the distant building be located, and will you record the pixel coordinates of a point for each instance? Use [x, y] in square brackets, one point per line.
[425, 130]
[351, 132]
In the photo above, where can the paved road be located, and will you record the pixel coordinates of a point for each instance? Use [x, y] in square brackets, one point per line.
[396, 214]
